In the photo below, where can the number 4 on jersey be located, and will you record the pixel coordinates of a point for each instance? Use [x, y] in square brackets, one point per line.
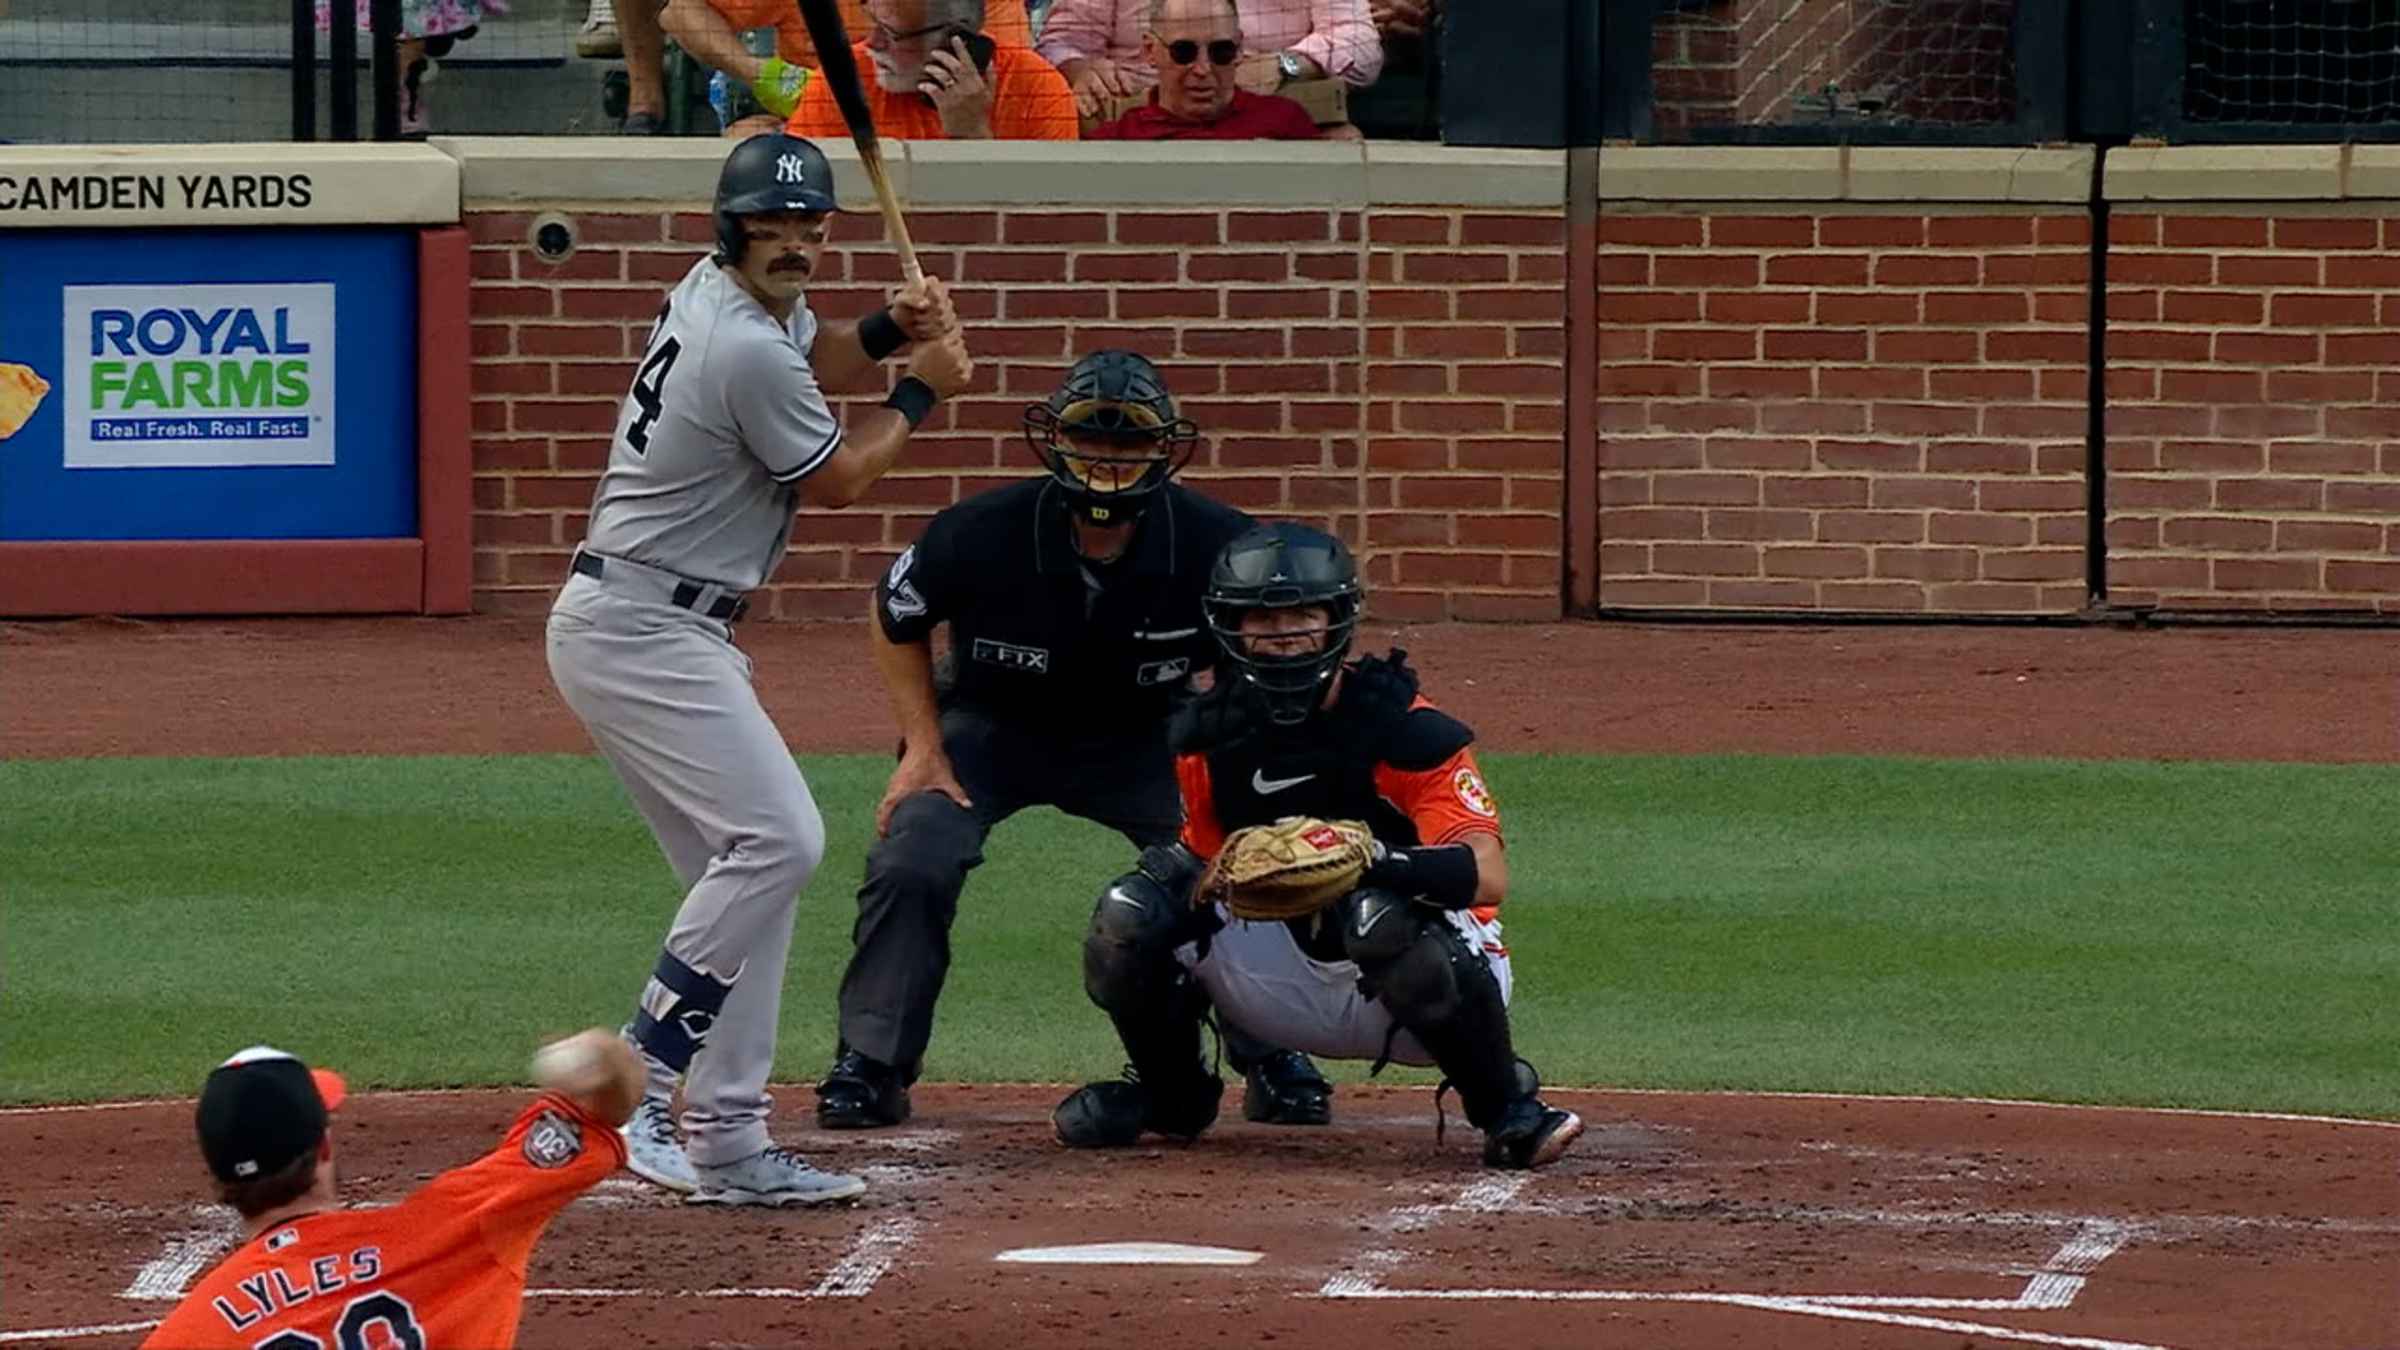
[650, 392]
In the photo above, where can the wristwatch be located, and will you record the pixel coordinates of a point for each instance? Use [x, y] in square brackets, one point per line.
[1289, 64]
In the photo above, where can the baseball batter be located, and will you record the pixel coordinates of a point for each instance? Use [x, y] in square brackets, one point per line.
[1408, 965]
[723, 432]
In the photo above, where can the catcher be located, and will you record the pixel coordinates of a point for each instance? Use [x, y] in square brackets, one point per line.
[1337, 884]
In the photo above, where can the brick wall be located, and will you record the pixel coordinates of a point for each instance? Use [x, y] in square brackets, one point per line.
[1393, 375]
[1849, 412]
[2254, 411]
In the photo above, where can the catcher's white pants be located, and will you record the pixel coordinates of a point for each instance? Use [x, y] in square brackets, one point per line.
[668, 701]
[1260, 980]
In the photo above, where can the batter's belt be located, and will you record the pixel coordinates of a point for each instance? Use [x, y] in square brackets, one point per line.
[701, 597]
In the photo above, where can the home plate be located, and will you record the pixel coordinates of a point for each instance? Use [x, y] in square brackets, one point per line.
[1130, 1254]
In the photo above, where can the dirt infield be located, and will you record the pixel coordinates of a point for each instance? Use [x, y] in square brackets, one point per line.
[478, 685]
[1681, 1220]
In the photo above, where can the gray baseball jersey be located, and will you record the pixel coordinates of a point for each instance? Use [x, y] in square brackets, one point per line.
[723, 421]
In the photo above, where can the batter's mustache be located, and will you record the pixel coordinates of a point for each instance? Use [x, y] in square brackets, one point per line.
[792, 263]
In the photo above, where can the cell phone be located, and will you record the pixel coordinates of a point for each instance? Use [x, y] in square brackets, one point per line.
[979, 46]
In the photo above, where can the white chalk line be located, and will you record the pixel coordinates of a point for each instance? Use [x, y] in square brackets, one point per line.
[1782, 1303]
[2053, 1287]
[214, 1230]
[868, 1259]
[78, 1333]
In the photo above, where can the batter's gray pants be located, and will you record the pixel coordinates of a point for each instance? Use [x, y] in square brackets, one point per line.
[667, 698]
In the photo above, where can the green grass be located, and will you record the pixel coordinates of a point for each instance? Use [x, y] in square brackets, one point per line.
[2217, 935]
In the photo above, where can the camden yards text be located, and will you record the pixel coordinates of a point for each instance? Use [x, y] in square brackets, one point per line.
[153, 191]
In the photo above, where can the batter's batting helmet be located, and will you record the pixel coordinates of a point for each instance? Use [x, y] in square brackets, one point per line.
[1285, 566]
[768, 172]
[1110, 435]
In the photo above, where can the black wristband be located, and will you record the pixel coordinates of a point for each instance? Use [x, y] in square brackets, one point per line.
[881, 335]
[1444, 876]
[912, 398]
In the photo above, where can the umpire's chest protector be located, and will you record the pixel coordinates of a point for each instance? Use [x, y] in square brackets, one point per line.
[1040, 629]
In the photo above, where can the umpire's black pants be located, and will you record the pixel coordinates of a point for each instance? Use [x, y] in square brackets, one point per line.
[916, 872]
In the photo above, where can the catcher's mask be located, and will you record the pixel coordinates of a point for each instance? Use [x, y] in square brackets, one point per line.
[1285, 566]
[767, 173]
[1110, 436]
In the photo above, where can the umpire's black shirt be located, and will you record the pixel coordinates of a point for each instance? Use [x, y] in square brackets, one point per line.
[1042, 636]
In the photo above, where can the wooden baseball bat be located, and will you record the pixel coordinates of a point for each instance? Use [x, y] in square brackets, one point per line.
[839, 68]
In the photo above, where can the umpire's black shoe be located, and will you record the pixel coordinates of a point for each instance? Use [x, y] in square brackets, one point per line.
[1530, 1135]
[1286, 1089]
[1118, 1112]
[859, 1093]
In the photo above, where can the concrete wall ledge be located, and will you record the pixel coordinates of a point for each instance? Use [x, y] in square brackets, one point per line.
[2240, 173]
[1655, 175]
[501, 171]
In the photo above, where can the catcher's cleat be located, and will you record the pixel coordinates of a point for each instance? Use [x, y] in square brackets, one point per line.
[654, 1151]
[1286, 1089]
[859, 1093]
[1530, 1135]
[774, 1178]
[1118, 1112]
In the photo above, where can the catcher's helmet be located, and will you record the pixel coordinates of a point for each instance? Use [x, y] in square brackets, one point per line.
[1285, 566]
[1110, 435]
[768, 172]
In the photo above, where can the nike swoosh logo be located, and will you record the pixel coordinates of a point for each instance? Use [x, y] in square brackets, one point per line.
[1260, 783]
[1369, 916]
[1118, 895]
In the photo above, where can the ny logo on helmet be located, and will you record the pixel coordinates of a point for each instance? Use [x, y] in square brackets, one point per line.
[791, 169]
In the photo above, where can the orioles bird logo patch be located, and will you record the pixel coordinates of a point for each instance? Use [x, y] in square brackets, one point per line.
[1472, 794]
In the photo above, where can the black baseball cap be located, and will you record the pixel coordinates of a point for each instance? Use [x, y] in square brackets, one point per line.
[261, 1110]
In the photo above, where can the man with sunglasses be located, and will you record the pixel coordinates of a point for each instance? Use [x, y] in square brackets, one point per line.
[1073, 601]
[1196, 46]
[938, 75]
[1100, 47]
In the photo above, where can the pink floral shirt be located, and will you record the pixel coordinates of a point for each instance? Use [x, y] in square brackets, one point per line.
[1336, 34]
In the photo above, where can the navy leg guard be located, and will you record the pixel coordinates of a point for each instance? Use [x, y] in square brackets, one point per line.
[679, 1006]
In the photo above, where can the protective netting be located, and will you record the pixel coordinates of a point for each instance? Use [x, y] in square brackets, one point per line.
[2292, 61]
[1833, 62]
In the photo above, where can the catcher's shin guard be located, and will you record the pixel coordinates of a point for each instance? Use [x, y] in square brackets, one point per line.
[1130, 972]
[1442, 990]
[679, 1005]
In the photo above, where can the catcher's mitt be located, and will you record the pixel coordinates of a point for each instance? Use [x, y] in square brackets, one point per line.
[1287, 870]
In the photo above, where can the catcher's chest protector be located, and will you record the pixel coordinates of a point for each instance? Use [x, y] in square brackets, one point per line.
[1262, 779]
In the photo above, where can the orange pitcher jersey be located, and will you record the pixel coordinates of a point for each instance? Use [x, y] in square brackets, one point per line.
[444, 1268]
[1446, 803]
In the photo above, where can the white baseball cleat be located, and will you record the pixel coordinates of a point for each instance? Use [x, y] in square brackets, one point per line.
[776, 1176]
[654, 1150]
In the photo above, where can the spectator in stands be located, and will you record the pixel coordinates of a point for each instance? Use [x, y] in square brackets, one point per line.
[1100, 45]
[711, 32]
[933, 73]
[1405, 102]
[1196, 45]
[428, 30]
